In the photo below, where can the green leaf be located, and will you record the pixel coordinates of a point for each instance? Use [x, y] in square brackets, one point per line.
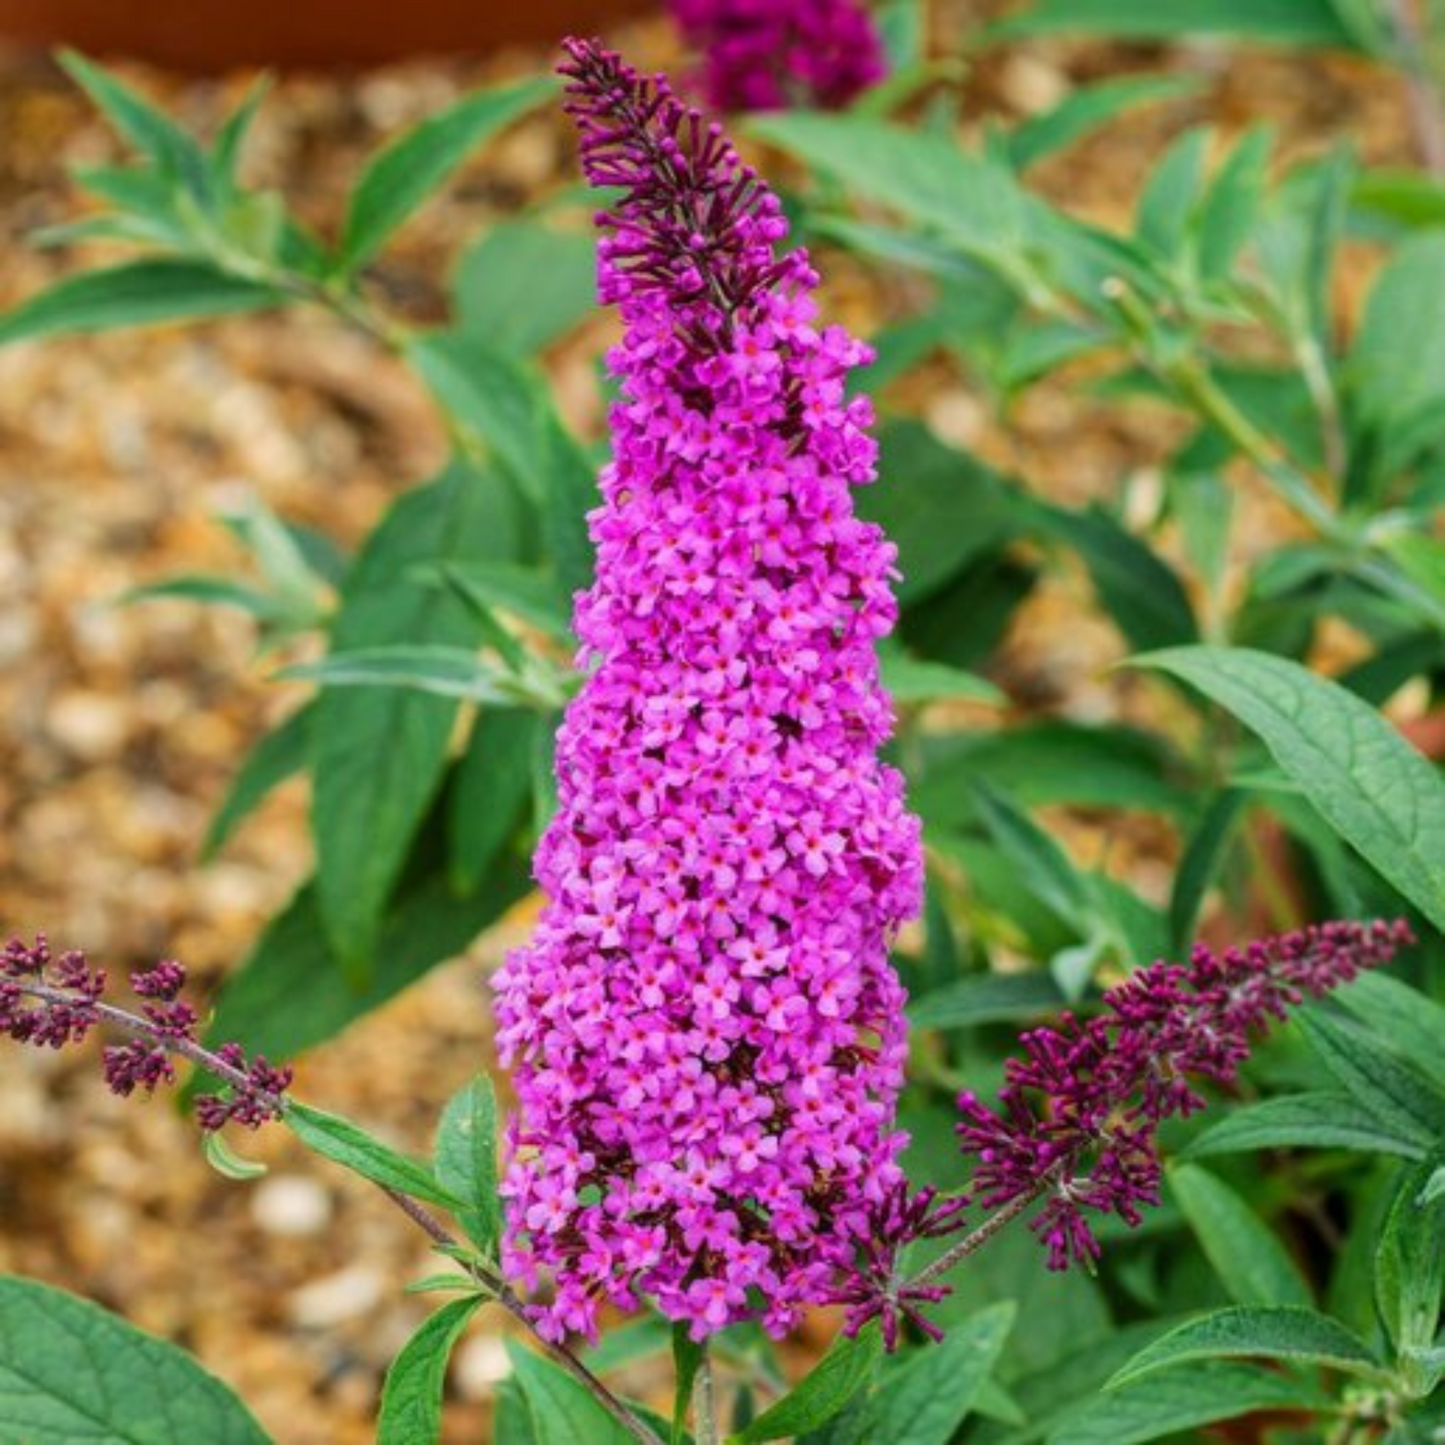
[1372, 787]
[915, 679]
[1412, 1023]
[411, 1399]
[925, 1402]
[401, 176]
[152, 133]
[1046, 870]
[277, 756]
[1140, 591]
[1250, 1261]
[291, 993]
[437, 669]
[506, 408]
[986, 999]
[562, 1411]
[137, 293]
[1304, 1121]
[1285, 22]
[1043, 763]
[833, 1381]
[942, 508]
[213, 592]
[512, 1422]
[1182, 1399]
[377, 754]
[353, 1148]
[974, 203]
[1405, 1102]
[1171, 193]
[1086, 109]
[226, 151]
[71, 1371]
[226, 1162]
[493, 786]
[533, 596]
[686, 1360]
[1410, 1265]
[643, 1339]
[1227, 213]
[1395, 373]
[1290, 1334]
[1204, 854]
[281, 554]
[524, 284]
[466, 1161]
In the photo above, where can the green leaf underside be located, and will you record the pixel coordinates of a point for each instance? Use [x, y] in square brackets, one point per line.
[411, 1400]
[433, 668]
[71, 1371]
[1287, 1334]
[1369, 784]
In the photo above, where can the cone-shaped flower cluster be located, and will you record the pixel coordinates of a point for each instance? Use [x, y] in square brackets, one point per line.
[707, 1033]
[773, 54]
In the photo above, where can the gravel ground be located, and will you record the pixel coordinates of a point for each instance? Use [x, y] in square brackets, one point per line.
[122, 725]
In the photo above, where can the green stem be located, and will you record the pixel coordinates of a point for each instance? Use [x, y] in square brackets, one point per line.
[704, 1400]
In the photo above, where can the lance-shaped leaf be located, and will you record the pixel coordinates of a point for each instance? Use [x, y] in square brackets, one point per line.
[1371, 786]
[1289, 1334]
[399, 178]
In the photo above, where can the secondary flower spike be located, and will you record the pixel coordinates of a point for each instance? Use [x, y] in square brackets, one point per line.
[708, 1037]
[1082, 1107]
[773, 54]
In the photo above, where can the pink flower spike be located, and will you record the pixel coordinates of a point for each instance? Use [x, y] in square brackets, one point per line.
[706, 1011]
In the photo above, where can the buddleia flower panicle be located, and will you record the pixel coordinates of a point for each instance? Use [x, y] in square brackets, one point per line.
[1078, 1113]
[707, 1035]
[777, 54]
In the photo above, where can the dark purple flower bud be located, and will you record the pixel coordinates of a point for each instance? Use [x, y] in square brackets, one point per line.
[163, 982]
[137, 1064]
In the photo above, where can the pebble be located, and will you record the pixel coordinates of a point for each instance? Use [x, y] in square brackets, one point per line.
[292, 1206]
[479, 1366]
[335, 1298]
[91, 725]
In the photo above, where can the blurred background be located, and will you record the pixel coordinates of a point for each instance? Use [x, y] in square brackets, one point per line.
[123, 725]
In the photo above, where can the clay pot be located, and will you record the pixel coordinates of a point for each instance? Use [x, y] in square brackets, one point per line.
[216, 34]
